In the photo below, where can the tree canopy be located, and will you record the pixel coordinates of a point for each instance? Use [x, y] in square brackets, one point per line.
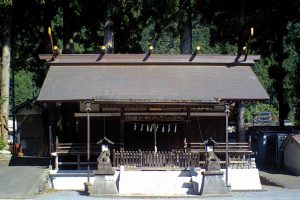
[175, 26]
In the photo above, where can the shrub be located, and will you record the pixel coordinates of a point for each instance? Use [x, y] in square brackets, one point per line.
[2, 143]
[261, 107]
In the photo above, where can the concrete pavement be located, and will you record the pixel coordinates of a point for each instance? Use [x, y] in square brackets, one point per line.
[270, 193]
[19, 182]
[25, 182]
[23, 177]
[281, 178]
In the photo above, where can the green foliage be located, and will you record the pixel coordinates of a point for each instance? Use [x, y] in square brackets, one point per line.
[169, 39]
[24, 86]
[5, 3]
[202, 37]
[218, 27]
[262, 71]
[291, 64]
[2, 143]
[261, 107]
[164, 44]
[57, 28]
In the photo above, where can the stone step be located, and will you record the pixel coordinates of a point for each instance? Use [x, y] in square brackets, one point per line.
[162, 179]
[156, 182]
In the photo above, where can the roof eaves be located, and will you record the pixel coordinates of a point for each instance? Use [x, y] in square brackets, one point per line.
[155, 59]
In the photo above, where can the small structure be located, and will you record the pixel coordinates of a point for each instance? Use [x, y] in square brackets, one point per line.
[209, 145]
[213, 182]
[291, 148]
[155, 109]
[30, 132]
[104, 177]
[266, 142]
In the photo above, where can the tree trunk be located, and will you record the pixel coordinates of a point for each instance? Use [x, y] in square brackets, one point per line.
[241, 122]
[186, 29]
[283, 106]
[47, 11]
[297, 112]
[242, 38]
[67, 28]
[108, 29]
[241, 105]
[5, 70]
[297, 85]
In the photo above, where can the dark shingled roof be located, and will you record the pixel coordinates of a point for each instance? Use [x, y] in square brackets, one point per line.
[133, 81]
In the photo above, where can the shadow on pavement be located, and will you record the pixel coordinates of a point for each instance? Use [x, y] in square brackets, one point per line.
[29, 161]
[278, 177]
[82, 193]
[274, 170]
[266, 181]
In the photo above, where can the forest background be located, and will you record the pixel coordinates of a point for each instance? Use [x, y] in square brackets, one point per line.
[172, 27]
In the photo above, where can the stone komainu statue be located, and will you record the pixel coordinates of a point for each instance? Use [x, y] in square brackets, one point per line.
[213, 162]
[105, 154]
[104, 157]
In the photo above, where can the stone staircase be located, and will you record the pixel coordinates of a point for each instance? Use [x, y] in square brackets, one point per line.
[155, 183]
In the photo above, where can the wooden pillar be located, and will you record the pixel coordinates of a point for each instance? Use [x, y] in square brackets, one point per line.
[185, 136]
[52, 122]
[227, 110]
[241, 121]
[56, 162]
[188, 124]
[88, 110]
[58, 121]
[56, 150]
[122, 121]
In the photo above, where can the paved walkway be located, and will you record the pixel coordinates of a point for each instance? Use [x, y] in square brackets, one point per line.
[271, 194]
[281, 178]
[25, 177]
[22, 178]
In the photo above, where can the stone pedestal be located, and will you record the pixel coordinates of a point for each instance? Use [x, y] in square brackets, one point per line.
[104, 168]
[104, 180]
[87, 188]
[213, 183]
[5, 157]
[104, 184]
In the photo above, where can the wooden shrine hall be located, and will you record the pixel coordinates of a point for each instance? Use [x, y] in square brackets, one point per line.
[156, 109]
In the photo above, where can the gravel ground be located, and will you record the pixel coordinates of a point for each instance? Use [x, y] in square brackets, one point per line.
[268, 194]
